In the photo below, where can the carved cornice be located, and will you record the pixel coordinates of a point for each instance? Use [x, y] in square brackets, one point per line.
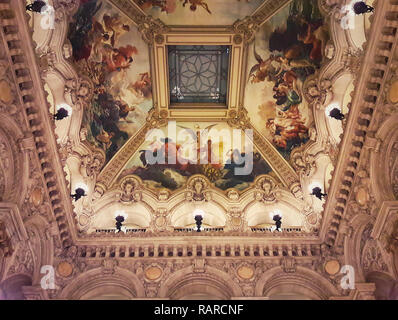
[368, 89]
[24, 65]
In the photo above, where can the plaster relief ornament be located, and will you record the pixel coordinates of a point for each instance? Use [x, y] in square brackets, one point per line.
[233, 195]
[363, 194]
[80, 90]
[5, 242]
[318, 94]
[372, 258]
[304, 163]
[24, 262]
[163, 195]
[235, 220]
[197, 193]
[160, 221]
[312, 219]
[289, 264]
[245, 272]
[266, 193]
[330, 50]
[153, 272]
[91, 165]
[391, 239]
[129, 188]
[109, 266]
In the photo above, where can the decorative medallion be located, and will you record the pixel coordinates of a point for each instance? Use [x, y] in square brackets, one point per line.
[65, 269]
[332, 267]
[245, 272]
[153, 273]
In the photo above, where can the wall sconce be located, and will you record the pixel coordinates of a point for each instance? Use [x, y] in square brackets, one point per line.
[276, 216]
[80, 191]
[198, 216]
[317, 192]
[335, 113]
[360, 7]
[120, 217]
[63, 111]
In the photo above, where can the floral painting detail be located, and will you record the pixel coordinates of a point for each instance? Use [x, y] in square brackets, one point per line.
[287, 50]
[220, 170]
[109, 51]
[192, 12]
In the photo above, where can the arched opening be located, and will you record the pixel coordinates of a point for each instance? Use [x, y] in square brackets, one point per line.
[107, 292]
[260, 215]
[137, 217]
[199, 289]
[304, 284]
[291, 292]
[183, 216]
[12, 288]
[386, 286]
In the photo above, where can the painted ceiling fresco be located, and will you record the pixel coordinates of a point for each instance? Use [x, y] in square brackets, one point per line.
[287, 50]
[224, 157]
[196, 12]
[109, 50]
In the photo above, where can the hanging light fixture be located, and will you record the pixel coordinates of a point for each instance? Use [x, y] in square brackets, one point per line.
[36, 6]
[360, 7]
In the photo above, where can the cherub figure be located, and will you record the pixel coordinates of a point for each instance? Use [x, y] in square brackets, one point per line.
[116, 27]
[195, 3]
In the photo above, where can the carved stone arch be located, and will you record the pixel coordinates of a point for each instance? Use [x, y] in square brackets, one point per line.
[185, 282]
[12, 287]
[384, 161]
[304, 282]
[268, 194]
[95, 282]
[386, 286]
